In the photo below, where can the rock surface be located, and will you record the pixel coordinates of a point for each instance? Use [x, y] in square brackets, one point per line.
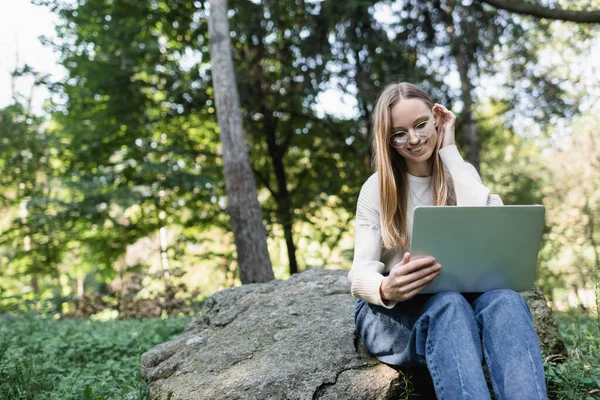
[292, 339]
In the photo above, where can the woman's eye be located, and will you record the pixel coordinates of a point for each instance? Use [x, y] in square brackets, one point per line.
[422, 125]
[399, 134]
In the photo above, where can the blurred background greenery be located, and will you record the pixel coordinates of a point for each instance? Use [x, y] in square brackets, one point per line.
[112, 197]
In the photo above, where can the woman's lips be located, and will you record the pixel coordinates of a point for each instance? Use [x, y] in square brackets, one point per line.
[421, 148]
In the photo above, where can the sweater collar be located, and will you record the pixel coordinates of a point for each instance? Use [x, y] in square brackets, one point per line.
[414, 178]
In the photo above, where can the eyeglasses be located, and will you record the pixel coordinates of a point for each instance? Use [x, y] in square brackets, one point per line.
[400, 139]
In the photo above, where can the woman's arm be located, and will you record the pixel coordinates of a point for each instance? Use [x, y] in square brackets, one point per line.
[470, 191]
[406, 278]
[366, 272]
[493, 199]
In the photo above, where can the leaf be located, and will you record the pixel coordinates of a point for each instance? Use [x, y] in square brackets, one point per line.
[87, 393]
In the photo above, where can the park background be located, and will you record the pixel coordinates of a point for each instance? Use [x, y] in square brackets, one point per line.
[113, 206]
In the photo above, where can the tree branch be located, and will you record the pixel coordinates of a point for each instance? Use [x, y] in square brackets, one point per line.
[538, 11]
[264, 181]
[288, 136]
[301, 176]
[328, 121]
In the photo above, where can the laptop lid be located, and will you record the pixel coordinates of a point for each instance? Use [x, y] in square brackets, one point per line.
[480, 247]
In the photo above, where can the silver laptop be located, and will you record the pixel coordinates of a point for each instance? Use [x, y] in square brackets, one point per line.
[480, 247]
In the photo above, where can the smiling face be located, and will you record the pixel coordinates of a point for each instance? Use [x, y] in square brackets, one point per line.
[414, 118]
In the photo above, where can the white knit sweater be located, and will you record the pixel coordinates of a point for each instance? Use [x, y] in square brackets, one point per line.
[371, 259]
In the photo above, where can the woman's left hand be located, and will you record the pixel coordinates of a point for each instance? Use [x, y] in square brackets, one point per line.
[445, 120]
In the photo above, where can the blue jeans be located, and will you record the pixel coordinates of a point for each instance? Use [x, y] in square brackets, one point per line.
[451, 333]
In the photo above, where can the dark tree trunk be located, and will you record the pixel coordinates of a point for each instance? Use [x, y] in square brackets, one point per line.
[243, 208]
[283, 198]
[463, 50]
[363, 84]
[291, 247]
[463, 62]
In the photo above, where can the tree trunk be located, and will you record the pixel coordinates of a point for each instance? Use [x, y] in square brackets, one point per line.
[243, 208]
[35, 286]
[282, 197]
[80, 283]
[362, 81]
[590, 231]
[291, 247]
[58, 294]
[463, 62]
[164, 259]
[463, 50]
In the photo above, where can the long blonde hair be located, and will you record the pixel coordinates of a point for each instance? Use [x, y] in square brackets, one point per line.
[391, 166]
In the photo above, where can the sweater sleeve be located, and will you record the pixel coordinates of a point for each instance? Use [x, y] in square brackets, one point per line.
[366, 272]
[470, 191]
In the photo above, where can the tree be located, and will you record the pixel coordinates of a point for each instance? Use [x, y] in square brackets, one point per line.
[243, 207]
[281, 54]
[369, 55]
[478, 42]
[33, 199]
[539, 11]
[138, 138]
[138, 144]
[573, 205]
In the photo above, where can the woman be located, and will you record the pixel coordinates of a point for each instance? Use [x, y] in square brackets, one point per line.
[417, 163]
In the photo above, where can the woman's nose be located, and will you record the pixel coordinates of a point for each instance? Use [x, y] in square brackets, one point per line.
[413, 138]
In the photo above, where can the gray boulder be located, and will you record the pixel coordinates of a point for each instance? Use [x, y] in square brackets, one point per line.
[292, 339]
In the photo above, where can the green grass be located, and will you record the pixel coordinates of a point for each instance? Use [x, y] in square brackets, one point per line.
[77, 359]
[579, 377]
[93, 360]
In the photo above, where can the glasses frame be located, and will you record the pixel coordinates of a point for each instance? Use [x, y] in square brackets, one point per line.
[421, 135]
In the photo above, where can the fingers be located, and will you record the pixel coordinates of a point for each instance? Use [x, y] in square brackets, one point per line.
[404, 291]
[405, 259]
[409, 291]
[445, 114]
[414, 265]
[440, 108]
[446, 121]
[415, 292]
[408, 278]
[420, 278]
[438, 116]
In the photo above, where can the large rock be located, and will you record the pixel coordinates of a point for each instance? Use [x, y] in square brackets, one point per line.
[292, 339]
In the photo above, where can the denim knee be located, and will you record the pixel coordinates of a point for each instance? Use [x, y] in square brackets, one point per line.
[497, 301]
[444, 301]
[385, 332]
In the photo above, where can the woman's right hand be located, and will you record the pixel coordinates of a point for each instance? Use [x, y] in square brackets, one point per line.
[408, 278]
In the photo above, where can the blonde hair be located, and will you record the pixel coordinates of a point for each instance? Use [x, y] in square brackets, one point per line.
[391, 166]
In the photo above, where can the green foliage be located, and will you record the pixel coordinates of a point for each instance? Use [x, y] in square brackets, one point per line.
[579, 376]
[77, 359]
[34, 221]
[574, 206]
[86, 359]
[138, 146]
[511, 164]
[131, 148]
[130, 144]
[300, 159]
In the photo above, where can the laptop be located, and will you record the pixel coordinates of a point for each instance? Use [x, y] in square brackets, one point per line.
[480, 248]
